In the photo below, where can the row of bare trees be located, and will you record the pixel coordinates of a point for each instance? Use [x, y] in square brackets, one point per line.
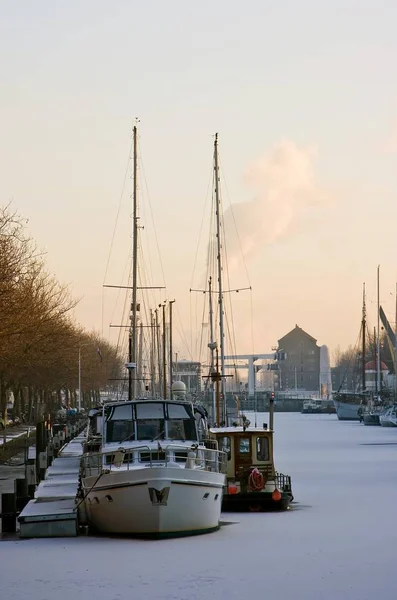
[348, 363]
[39, 340]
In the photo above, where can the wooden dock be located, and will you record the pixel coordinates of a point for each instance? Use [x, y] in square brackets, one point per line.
[54, 510]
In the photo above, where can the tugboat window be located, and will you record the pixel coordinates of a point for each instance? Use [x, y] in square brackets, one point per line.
[224, 445]
[244, 447]
[262, 448]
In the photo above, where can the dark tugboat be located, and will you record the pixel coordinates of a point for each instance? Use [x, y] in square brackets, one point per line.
[252, 483]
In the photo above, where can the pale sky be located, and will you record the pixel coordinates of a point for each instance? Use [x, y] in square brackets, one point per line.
[304, 97]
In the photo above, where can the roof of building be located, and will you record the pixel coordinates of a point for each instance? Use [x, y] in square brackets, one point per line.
[300, 331]
[371, 366]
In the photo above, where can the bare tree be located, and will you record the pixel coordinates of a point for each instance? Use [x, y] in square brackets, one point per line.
[39, 341]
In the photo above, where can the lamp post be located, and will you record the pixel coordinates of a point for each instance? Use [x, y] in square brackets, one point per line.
[79, 401]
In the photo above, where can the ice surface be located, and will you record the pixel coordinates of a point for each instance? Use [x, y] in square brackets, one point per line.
[339, 542]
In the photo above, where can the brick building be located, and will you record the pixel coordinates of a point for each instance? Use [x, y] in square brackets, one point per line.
[301, 369]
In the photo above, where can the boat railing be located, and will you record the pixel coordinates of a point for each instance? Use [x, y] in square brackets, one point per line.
[283, 482]
[194, 457]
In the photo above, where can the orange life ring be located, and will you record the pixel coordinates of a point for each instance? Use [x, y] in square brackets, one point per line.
[256, 481]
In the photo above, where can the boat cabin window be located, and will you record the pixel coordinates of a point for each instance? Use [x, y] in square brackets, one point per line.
[150, 410]
[181, 424]
[244, 445]
[119, 424]
[224, 445]
[150, 420]
[178, 411]
[262, 448]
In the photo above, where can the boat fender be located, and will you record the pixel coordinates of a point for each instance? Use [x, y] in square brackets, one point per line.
[190, 460]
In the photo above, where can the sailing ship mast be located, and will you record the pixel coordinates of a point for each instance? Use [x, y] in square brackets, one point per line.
[363, 331]
[133, 329]
[378, 381]
[219, 262]
[212, 345]
[395, 351]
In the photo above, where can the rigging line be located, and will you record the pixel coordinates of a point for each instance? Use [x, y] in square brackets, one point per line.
[252, 323]
[128, 262]
[115, 224]
[232, 338]
[151, 210]
[235, 224]
[182, 332]
[197, 328]
[351, 358]
[190, 324]
[202, 327]
[122, 332]
[210, 180]
[145, 248]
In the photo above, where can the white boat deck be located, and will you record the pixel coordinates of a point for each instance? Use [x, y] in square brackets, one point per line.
[53, 512]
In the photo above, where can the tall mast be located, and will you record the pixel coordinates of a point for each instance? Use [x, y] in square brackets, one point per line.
[378, 381]
[211, 311]
[212, 345]
[164, 355]
[171, 302]
[219, 259]
[139, 370]
[157, 326]
[363, 330]
[152, 354]
[133, 330]
[395, 353]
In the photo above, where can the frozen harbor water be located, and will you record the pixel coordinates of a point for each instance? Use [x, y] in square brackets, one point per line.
[339, 542]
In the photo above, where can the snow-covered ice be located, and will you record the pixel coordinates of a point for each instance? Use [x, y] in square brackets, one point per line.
[339, 542]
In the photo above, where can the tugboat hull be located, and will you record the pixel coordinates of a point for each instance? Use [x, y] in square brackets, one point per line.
[255, 502]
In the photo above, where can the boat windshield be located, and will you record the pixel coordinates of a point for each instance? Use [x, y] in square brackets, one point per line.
[181, 423]
[150, 421]
[119, 424]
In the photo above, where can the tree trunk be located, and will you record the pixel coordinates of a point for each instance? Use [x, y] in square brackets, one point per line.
[16, 411]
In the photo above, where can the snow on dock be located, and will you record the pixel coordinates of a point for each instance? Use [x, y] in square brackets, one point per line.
[53, 512]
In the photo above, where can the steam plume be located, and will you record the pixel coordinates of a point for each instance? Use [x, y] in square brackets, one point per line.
[284, 187]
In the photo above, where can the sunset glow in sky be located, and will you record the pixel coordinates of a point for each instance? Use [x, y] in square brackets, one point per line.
[304, 97]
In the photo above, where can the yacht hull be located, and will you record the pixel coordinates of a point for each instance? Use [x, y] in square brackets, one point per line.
[154, 502]
[346, 411]
[371, 419]
[387, 421]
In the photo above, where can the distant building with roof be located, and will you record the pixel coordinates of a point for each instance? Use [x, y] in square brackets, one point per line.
[370, 375]
[301, 368]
